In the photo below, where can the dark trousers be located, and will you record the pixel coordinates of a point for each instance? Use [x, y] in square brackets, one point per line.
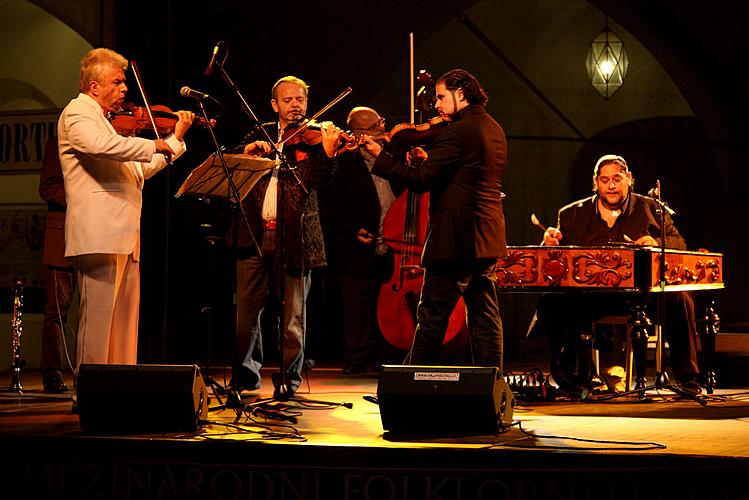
[256, 280]
[564, 316]
[359, 310]
[444, 284]
[59, 294]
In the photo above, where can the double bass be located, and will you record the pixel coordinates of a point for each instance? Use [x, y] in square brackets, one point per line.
[404, 231]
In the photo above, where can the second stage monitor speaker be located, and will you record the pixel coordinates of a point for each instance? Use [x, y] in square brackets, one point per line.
[444, 399]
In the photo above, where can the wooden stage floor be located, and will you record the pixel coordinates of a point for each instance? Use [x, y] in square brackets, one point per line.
[662, 448]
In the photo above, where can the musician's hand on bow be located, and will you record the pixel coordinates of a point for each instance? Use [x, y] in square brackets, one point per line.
[257, 148]
[184, 122]
[646, 241]
[552, 237]
[331, 136]
[365, 236]
[371, 146]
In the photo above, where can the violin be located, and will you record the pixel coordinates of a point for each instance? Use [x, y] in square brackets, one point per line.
[405, 136]
[310, 133]
[132, 119]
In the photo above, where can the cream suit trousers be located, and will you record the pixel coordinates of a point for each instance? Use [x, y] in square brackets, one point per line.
[108, 315]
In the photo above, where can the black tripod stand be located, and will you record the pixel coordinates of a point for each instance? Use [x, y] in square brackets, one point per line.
[211, 238]
[216, 179]
[662, 381]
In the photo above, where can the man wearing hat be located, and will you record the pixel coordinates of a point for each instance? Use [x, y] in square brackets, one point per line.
[614, 215]
[354, 209]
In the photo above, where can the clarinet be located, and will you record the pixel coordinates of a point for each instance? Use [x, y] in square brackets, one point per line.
[17, 325]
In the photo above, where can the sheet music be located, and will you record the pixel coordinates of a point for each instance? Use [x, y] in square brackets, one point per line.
[209, 179]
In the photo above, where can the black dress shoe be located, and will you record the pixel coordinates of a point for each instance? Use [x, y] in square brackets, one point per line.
[689, 385]
[53, 382]
[354, 368]
[570, 383]
[282, 392]
[245, 383]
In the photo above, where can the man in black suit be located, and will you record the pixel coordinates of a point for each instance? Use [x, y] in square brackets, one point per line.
[355, 205]
[463, 174]
[613, 215]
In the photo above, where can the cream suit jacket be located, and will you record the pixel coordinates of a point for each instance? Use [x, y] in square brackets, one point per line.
[103, 174]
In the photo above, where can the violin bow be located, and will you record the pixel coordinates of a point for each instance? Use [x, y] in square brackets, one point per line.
[316, 115]
[147, 105]
[411, 76]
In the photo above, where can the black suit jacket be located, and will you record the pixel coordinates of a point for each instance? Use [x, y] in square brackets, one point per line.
[464, 177]
[52, 190]
[640, 219]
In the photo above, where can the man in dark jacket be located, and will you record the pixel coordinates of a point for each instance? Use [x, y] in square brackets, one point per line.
[463, 174]
[281, 207]
[60, 280]
[355, 205]
[614, 215]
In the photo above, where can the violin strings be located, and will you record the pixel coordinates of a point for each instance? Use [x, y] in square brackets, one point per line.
[411, 227]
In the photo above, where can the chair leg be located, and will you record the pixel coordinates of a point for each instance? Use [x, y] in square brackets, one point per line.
[638, 329]
[628, 362]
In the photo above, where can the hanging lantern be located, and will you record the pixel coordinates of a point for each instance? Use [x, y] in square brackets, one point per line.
[607, 63]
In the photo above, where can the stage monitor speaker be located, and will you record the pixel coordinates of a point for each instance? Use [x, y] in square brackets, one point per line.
[444, 400]
[116, 399]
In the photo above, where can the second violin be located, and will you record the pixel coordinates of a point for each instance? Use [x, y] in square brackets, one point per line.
[310, 133]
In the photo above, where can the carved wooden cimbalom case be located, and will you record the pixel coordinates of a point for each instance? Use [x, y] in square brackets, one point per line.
[611, 268]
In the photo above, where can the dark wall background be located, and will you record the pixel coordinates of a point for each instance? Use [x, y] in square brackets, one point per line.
[363, 44]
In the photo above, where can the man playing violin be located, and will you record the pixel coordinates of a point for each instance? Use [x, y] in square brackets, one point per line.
[463, 174]
[614, 214]
[295, 220]
[103, 178]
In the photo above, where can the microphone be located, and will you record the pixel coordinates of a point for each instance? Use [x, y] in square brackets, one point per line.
[188, 92]
[655, 193]
[209, 69]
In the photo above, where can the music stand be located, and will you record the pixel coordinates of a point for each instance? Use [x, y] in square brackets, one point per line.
[210, 180]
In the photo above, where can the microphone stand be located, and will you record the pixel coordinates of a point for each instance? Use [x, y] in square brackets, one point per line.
[661, 376]
[234, 195]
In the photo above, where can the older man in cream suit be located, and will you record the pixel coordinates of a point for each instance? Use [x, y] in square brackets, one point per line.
[103, 175]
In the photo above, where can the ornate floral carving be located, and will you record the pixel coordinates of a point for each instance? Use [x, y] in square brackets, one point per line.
[517, 268]
[555, 267]
[601, 268]
[709, 271]
[706, 272]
